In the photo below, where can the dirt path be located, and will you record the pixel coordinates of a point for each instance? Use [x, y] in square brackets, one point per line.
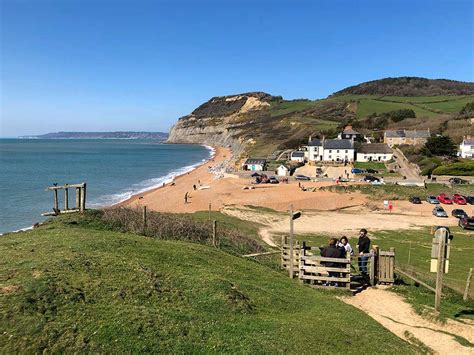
[342, 222]
[391, 311]
[406, 168]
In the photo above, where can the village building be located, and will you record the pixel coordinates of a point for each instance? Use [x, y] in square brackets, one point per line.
[374, 152]
[337, 150]
[298, 156]
[349, 133]
[255, 164]
[466, 148]
[404, 136]
[282, 171]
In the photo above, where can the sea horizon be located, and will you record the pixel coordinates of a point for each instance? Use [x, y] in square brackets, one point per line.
[114, 170]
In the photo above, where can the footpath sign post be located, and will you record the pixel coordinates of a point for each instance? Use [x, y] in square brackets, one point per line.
[293, 216]
[440, 260]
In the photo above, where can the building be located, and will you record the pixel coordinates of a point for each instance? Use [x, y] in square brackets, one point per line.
[374, 152]
[466, 148]
[298, 156]
[255, 164]
[341, 150]
[282, 171]
[404, 136]
[349, 133]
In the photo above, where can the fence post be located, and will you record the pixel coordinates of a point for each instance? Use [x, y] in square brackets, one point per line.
[214, 232]
[468, 285]
[56, 203]
[144, 219]
[66, 198]
[78, 198]
[209, 211]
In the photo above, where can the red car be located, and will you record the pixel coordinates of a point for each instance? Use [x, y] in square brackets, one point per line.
[460, 200]
[445, 199]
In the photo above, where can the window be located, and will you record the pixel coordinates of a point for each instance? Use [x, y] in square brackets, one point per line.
[338, 150]
[347, 151]
[330, 150]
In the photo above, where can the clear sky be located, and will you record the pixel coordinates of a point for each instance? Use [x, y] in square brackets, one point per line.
[139, 65]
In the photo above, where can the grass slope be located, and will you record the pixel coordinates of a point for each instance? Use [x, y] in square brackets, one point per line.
[73, 288]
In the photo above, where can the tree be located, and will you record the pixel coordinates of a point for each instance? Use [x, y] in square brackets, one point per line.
[468, 109]
[441, 146]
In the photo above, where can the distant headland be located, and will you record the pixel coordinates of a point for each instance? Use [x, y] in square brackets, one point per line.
[99, 135]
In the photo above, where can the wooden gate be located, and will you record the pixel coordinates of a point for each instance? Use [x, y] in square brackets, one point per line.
[386, 266]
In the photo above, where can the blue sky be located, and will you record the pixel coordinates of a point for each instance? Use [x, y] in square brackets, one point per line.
[139, 65]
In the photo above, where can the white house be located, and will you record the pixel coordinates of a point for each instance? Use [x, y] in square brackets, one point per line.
[374, 152]
[283, 171]
[297, 155]
[466, 148]
[255, 164]
[331, 150]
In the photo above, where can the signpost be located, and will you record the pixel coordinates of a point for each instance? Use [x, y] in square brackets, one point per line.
[440, 260]
[293, 216]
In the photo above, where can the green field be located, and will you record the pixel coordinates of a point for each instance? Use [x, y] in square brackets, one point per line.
[367, 107]
[413, 255]
[70, 286]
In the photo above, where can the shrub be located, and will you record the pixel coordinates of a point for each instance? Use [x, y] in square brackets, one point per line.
[460, 168]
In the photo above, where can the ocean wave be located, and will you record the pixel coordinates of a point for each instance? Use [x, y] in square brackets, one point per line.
[147, 185]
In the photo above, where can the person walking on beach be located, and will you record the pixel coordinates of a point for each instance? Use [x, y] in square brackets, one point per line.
[194, 187]
[363, 246]
[186, 198]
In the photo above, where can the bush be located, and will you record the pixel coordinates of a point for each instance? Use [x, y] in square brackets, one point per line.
[461, 168]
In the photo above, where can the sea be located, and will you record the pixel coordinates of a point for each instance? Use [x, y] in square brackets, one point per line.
[114, 170]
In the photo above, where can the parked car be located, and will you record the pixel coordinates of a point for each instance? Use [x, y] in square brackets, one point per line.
[443, 198]
[357, 171]
[302, 177]
[460, 200]
[456, 181]
[370, 178]
[458, 213]
[433, 200]
[372, 171]
[415, 199]
[469, 199]
[378, 182]
[439, 211]
[273, 180]
[466, 223]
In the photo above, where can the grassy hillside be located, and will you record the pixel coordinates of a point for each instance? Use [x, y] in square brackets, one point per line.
[70, 286]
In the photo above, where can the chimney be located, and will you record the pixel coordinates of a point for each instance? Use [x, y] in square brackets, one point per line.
[309, 139]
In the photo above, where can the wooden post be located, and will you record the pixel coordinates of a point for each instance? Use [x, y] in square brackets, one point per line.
[209, 211]
[468, 285]
[214, 232]
[66, 198]
[409, 255]
[441, 235]
[373, 265]
[56, 203]
[78, 198]
[83, 198]
[144, 219]
[291, 243]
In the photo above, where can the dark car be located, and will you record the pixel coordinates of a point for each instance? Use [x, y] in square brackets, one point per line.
[370, 178]
[273, 180]
[466, 223]
[372, 171]
[302, 177]
[469, 199]
[456, 181]
[357, 171]
[458, 213]
[415, 199]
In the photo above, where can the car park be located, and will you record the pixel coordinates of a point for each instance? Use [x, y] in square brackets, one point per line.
[415, 200]
[458, 213]
[370, 178]
[439, 211]
[433, 200]
[273, 180]
[466, 223]
[372, 171]
[469, 199]
[460, 200]
[443, 198]
[457, 181]
[302, 177]
[357, 171]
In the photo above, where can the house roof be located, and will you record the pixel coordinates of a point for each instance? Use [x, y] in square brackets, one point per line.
[252, 161]
[314, 142]
[349, 130]
[297, 154]
[283, 167]
[401, 133]
[374, 148]
[338, 144]
[468, 141]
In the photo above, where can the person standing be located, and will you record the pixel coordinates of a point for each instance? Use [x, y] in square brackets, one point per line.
[332, 251]
[363, 246]
[345, 246]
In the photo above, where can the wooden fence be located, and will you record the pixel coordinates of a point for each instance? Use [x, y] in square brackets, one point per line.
[313, 269]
